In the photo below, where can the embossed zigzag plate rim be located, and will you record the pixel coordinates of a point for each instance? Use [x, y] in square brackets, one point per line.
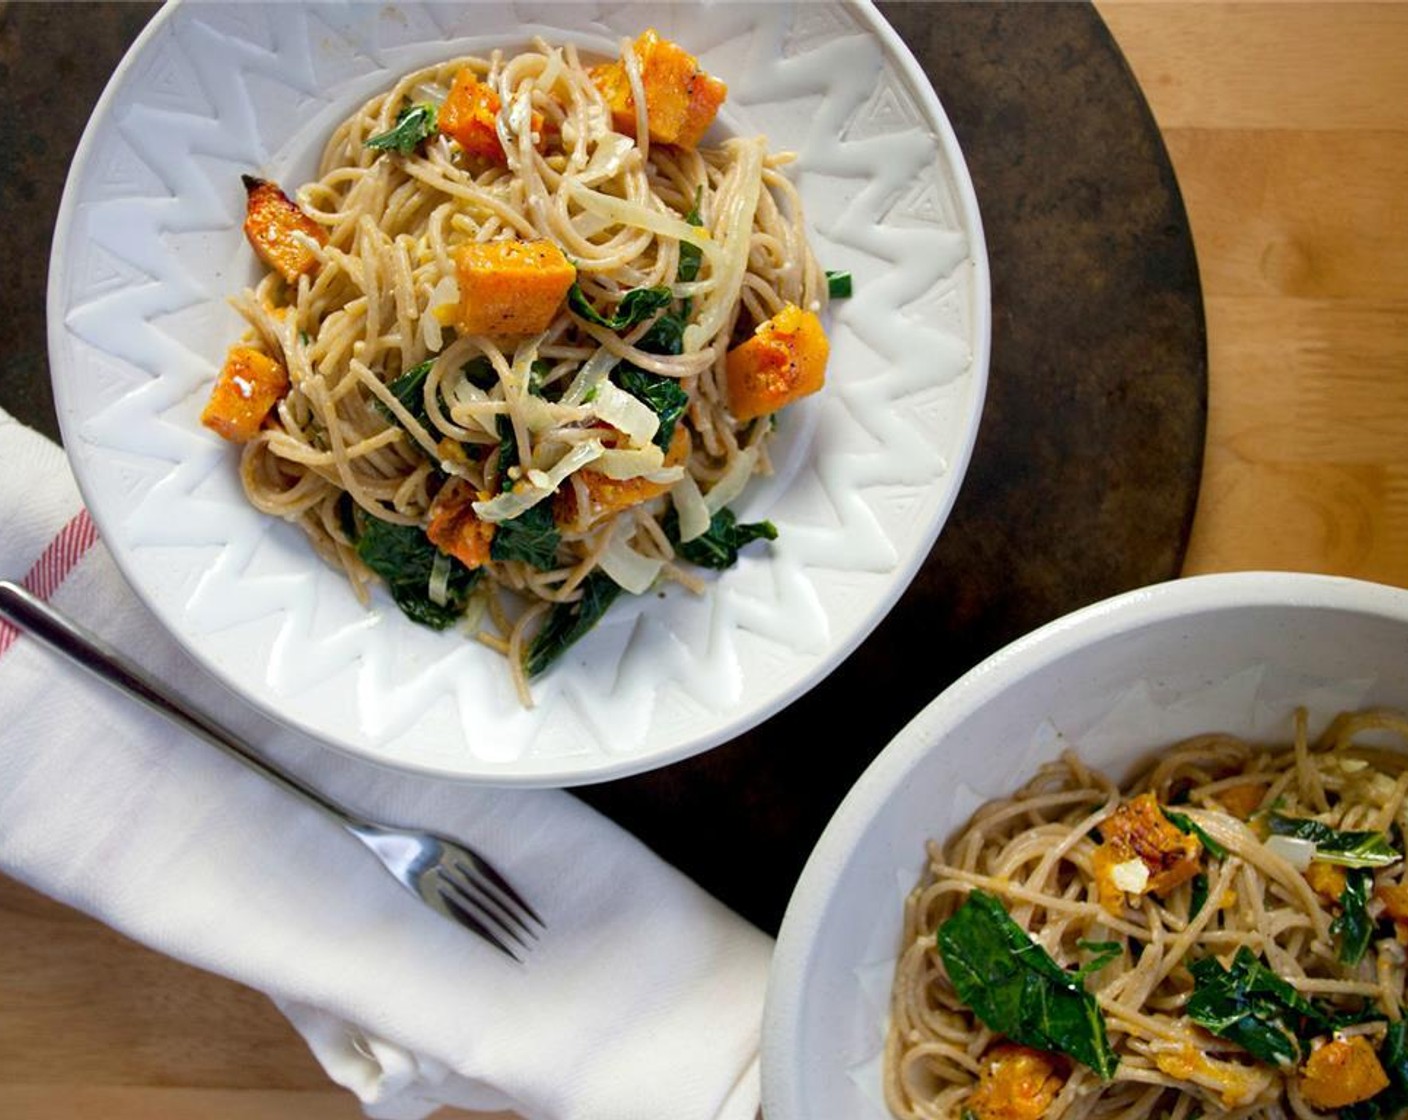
[554, 771]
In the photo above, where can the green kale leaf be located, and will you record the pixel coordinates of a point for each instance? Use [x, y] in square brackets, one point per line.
[531, 537]
[409, 391]
[1199, 895]
[664, 395]
[1016, 988]
[403, 556]
[1349, 849]
[414, 124]
[665, 336]
[567, 622]
[717, 547]
[480, 373]
[1105, 952]
[1185, 825]
[636, 306]
[508, 451]
[1253, 1007]
[1354, 925]
[690, 253]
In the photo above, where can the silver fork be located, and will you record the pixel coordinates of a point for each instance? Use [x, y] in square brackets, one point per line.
[443, 873]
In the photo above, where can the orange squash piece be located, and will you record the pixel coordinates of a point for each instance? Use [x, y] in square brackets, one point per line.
[1139, 830]
[1242, 800]
[1016, 1083]
[469, 116]
[681, 100]
[607, 496]
[279, 230]
[783, 361]
[510, 287]
[1341, 1073]
[454, 526]
[1394, 896]
[1237, 1084]
[1326, 879]
[249, 385]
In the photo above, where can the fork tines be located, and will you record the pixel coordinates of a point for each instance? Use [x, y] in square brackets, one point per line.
[477, 896]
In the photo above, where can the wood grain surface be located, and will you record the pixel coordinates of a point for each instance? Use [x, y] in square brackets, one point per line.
[1287, 125]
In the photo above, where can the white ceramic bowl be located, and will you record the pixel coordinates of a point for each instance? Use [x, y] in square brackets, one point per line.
[148, 247]
[1235, 653]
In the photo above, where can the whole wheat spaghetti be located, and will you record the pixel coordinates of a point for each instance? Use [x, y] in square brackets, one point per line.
[550, 467]
[1225, 938]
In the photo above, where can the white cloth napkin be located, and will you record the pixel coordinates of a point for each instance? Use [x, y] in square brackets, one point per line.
[643, 999]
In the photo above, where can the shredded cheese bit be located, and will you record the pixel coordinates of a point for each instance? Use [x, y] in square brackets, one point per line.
[1132, 875]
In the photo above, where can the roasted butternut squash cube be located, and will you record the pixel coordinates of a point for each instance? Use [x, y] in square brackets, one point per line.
[1394, 896]
[681, 100]
[1326, 879]
[250, 384]
[469, 116]
[1016, 1083]
[706, 94]
[1242, 800]
[1342, 1072]
[1138, 835]
[1238, 1085]
[783, 361]
[280, 232]
[510, 287]
[455, 528]
[607, 496]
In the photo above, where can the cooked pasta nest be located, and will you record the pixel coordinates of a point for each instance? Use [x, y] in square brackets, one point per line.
[1037, 853]
[344, 447]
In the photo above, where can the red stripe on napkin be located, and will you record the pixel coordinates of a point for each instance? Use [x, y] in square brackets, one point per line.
[54, 564]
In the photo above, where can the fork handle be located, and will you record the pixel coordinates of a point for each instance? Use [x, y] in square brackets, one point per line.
[90, 652]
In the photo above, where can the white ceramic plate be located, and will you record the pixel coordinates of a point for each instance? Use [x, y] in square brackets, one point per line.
[148, 247]
[1235, 653]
